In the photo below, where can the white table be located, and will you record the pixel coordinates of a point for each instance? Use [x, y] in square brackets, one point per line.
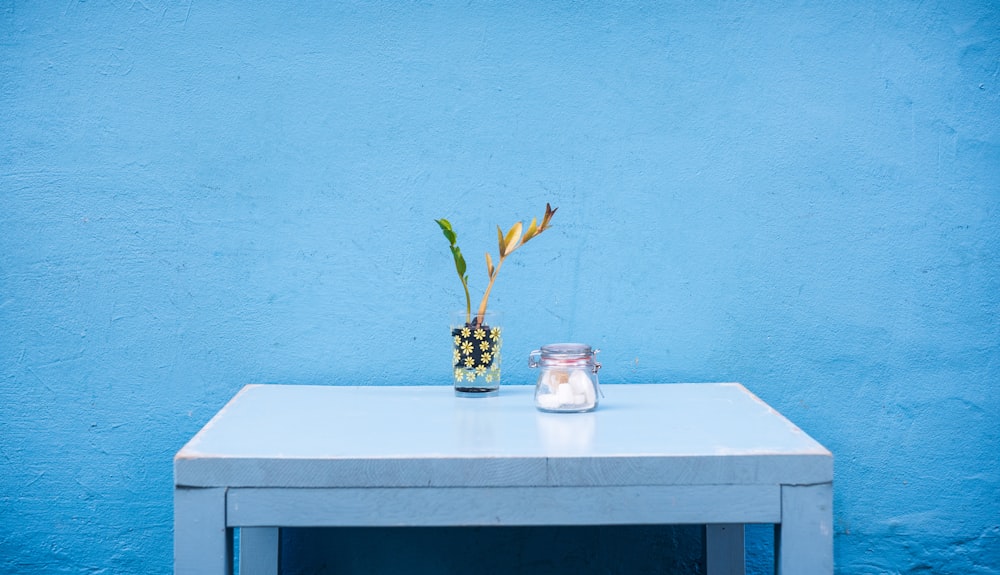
[314, 456]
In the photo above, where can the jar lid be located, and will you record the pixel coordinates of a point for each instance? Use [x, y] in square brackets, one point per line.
[566, 350]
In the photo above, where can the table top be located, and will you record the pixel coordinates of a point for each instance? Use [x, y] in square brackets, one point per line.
[382, 436]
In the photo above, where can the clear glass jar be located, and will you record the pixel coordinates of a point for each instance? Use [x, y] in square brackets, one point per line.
[568, 379]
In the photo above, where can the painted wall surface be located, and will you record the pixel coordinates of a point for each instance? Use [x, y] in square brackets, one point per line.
[198, 195]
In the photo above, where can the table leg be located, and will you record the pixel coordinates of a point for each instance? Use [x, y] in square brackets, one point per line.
[202, 543]
[724, 549]
[259, 550]
[804, 540]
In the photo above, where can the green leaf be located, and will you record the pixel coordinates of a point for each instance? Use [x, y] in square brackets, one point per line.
[447, 231]
[459, 260]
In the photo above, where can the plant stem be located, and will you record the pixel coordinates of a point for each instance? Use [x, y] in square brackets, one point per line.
[486, 294]
[468, 303]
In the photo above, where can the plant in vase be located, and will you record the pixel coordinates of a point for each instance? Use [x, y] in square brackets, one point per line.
[476, 339]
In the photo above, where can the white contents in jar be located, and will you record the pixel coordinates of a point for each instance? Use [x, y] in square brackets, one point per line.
[564, 393]
[582, 386]
[548, 401]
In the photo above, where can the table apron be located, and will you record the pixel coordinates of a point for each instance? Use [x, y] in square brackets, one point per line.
[464, 506]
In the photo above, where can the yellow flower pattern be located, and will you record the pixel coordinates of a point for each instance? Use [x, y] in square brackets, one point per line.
[476, 354]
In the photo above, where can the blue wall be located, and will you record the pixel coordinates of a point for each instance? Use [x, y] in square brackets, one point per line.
[199, 195]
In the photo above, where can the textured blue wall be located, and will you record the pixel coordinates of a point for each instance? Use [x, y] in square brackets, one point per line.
[199, 195]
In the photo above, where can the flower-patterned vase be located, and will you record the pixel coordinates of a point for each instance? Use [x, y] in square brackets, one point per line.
[476, 354]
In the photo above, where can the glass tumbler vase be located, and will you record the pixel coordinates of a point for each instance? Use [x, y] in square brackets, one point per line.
[475, 357]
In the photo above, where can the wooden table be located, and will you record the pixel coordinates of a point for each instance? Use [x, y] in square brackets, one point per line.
[300, 456]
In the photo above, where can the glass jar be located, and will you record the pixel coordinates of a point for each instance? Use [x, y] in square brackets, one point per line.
[568, 379]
